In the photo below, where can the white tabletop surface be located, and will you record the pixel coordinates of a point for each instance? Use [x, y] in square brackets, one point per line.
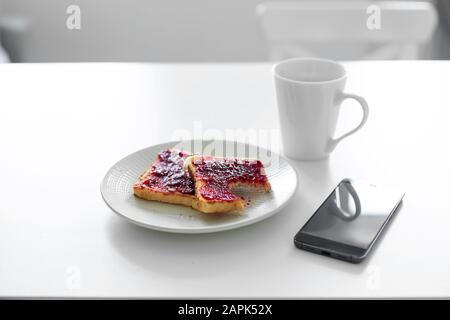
[62, 126]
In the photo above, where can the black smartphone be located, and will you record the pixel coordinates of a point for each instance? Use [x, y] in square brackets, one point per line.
[349, 221]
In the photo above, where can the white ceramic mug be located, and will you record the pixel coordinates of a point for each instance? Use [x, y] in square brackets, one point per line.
[309, 93]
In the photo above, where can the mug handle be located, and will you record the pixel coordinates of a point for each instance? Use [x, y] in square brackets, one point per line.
[334, 142]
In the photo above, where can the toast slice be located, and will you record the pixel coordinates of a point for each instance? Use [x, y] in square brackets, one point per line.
[167, 180]
[215, 177]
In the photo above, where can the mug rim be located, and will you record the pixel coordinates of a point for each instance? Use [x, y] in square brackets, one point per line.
[276, 65]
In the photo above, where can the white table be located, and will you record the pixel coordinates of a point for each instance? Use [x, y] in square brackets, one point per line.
[63, 125]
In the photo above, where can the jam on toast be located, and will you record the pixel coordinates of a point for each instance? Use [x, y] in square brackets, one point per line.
[167, 180]
[215, 177]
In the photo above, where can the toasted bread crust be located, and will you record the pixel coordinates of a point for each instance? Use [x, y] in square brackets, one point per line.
[174, 198]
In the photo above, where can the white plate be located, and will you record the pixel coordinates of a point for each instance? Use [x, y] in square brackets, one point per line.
[117, 192]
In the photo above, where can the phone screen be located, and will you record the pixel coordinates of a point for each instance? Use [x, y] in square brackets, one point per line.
[353, 214]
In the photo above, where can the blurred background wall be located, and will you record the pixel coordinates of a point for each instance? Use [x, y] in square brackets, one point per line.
[146, 30]
[143, 30]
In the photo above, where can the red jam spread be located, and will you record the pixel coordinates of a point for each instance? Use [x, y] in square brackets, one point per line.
[167, 173]
[219, 173]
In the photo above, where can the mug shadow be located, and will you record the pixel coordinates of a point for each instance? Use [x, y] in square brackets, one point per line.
[315, 181]
[317, 172]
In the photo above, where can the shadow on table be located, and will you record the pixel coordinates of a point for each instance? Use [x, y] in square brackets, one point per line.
[192, 255]
[316, 174]
[239, 250]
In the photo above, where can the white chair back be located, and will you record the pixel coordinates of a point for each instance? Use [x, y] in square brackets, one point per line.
[347, 30]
